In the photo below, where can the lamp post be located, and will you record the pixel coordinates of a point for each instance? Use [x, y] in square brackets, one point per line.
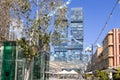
[91, 49]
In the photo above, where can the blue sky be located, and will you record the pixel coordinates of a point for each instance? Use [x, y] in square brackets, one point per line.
[96, 13]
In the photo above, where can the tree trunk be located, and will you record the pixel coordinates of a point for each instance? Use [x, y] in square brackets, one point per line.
[29, 71]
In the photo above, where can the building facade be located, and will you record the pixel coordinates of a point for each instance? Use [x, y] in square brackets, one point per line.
[13, 64]
[75, 47]
[60, 49]
[72, 46]
[109, 54]
[95, 61]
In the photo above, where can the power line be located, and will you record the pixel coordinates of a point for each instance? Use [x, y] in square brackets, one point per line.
[108, 19]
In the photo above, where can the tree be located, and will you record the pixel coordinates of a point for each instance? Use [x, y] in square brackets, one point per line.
[11, 9]
[102, 75]
[37, 16]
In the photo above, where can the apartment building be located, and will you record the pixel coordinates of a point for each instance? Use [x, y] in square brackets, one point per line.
[107, 56]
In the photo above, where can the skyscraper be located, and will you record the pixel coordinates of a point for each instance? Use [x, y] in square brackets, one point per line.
[71, 50]
[108, 54]
[60, 49]
[75, 47]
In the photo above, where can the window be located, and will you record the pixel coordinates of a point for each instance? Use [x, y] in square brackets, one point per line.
[105, 43]
[119, 49]
[80, 25]
[119, 60]
[76, 14]
[105, 51]
[119, 37]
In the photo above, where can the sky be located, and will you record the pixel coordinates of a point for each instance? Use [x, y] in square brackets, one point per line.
[96, 13]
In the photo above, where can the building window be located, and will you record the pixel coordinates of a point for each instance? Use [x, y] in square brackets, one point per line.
[105, 41]
[119, 37]
[119, 49]
[105, 51]
[119, 60]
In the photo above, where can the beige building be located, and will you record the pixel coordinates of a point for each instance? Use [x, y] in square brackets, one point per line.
[107, 56]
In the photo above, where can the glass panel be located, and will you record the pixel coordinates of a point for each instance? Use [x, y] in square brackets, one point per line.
[8, 65]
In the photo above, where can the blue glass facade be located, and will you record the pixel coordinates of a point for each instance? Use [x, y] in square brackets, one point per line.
[60, 50]
[75, 47]
[72, 49]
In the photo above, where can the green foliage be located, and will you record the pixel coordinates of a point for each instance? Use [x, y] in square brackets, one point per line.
[36, 25]
[25, 7]
[29, 51]
[117, 75]
[102, 75]
[44, 39]
[17, 5]
[55, 38]
[89, 76]
[61, 20]
[52, 3]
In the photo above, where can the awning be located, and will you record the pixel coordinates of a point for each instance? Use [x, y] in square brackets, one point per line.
[73, 72]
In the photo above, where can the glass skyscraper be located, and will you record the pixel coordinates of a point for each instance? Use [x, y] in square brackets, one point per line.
[60, 49]
[72, 49]
[75, 47]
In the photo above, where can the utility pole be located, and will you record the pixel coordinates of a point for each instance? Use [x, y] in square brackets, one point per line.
[91, 49]
[92, 58]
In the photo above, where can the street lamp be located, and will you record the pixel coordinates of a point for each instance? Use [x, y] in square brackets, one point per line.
[90, 49]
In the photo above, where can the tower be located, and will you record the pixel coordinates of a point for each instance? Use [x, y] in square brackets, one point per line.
[60, 49]
[77, 38]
